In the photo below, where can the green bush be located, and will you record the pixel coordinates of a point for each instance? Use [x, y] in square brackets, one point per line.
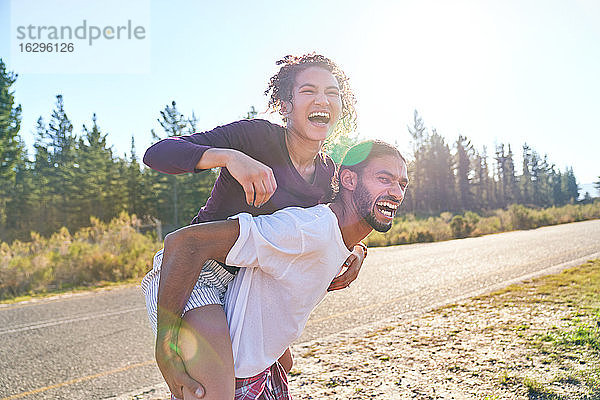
[521, 217]
[116, 251]
[461, 227]
[410, 229]
[421, 237]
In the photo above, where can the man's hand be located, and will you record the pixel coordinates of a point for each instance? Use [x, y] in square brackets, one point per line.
[353, 263]
[172, 368]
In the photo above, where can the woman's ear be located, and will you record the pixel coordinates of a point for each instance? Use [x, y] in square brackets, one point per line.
[348, 179]
[286, 108]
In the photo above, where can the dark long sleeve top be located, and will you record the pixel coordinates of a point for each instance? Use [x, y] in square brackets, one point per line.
[259, 139]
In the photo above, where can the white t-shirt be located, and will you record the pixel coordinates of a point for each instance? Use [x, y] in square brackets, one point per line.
[291, 258]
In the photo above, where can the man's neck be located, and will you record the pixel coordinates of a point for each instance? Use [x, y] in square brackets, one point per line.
[352, 226]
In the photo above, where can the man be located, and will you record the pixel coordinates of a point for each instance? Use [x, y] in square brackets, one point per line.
[290, 257]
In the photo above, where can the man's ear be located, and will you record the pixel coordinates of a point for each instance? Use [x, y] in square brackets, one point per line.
[348, 179]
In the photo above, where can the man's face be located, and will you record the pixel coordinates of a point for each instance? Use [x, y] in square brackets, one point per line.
[380, 190]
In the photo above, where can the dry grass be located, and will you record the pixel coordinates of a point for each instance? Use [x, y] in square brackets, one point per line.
[93, 256]
[409, 229]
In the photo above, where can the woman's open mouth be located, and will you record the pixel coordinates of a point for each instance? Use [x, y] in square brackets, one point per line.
[319, 117]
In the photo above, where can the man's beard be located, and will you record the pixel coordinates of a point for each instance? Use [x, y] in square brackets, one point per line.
[366, 208]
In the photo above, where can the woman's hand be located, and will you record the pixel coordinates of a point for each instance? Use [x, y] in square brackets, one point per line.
[256, 178]
[353, 264]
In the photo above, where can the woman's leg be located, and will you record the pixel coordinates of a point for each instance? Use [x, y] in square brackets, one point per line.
[205, 347]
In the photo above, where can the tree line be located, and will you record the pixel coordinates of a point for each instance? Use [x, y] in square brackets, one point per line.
[459, 177]
[72, 176]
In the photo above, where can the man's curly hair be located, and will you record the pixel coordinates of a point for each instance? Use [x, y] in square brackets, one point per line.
[282, 83]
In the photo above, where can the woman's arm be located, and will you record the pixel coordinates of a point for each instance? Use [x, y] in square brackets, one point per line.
[181, 154]
[224, 146]
[256, 178]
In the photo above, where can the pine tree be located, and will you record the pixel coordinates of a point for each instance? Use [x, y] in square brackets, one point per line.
[100, 176]
[61, 148]
[178, 197]
[481, 181]
[511, 188]
[507, 190]
[192, 124]
[11, 148]
[134, 184]
[525, 181]
[417, 131]
[496, 187]
[44, 217]
[438, 183]
[540, 172]
[571, 187]
[415, 196]
[557, 181]
[20, 204]
[464, 151]
[172, 121]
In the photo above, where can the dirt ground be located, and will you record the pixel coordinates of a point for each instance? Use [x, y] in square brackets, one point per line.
[470, 351]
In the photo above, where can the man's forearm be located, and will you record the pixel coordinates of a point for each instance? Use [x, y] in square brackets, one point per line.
[179, 273]
[177, 279]
[185, 252]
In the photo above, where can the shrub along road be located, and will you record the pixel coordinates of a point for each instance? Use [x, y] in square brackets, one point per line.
[98, 344]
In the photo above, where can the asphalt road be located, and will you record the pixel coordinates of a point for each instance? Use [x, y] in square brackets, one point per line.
[99, 345]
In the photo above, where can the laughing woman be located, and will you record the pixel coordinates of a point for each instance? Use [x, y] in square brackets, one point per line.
[265, 167]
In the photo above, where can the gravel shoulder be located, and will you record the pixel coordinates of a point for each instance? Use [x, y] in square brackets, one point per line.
[536, 340]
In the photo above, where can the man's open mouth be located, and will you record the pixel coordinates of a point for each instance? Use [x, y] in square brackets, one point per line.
[387, 208]
[319, 117]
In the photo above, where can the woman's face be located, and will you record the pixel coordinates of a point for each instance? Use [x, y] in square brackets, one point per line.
[316, 104]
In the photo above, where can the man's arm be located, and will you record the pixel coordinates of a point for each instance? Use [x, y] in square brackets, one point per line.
[186, 250]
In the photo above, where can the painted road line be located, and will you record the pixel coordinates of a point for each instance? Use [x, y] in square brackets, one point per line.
[46, 324]
[82, 379]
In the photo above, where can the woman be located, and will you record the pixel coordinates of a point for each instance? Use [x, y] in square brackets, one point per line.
[267, 167]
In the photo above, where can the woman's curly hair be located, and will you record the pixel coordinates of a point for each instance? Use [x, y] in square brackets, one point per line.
[282, 83]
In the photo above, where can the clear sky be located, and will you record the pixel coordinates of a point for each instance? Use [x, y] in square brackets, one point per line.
[496, 71]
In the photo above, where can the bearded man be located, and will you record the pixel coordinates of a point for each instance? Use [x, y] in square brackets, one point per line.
[288, 259]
